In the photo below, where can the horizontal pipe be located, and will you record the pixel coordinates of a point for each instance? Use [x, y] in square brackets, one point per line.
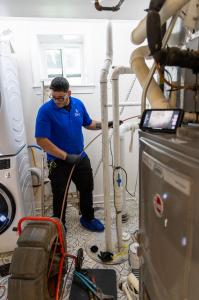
[127, 127]
[125, 104]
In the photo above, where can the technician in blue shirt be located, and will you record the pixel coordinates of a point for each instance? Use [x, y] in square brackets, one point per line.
[59, 132]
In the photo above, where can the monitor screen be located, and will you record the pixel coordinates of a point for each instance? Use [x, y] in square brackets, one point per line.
[161, 119]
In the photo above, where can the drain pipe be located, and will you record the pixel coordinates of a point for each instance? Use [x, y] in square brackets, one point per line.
[124, 128]
[105, 138]
[117, 176]
[169, 9]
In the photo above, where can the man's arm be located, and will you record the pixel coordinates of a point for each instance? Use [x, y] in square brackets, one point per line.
[51, 148]
[95, 125]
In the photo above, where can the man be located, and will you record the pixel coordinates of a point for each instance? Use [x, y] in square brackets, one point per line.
[59, 132]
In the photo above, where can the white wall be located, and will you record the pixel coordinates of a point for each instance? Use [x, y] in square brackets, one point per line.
[24, 31]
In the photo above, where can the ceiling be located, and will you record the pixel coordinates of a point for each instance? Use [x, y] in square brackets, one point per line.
[84, 9]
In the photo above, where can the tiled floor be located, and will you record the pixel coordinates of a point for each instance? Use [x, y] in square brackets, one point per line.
[78, 237]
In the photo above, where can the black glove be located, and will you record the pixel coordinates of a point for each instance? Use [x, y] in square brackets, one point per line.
[72, 159]
[110, 123]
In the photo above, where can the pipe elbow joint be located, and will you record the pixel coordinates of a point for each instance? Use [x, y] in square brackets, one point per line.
[139, 53]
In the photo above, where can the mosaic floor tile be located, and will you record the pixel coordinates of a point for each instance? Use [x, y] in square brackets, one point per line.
[77, 237]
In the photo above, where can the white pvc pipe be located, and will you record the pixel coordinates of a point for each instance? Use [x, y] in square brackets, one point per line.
[125, 104]
[105, 137]
[122, 163]
[126, 291]
[123, 129]
[169, 9]
[138, 65]
[117, 177]
[133, 282]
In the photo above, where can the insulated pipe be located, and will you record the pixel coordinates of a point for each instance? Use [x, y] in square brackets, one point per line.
[169, 9]
[105, 138]
[117, 177]
[138, 65]
[191, 17]
[152, 71]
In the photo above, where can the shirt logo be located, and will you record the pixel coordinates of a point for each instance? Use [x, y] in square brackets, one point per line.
[77, 113]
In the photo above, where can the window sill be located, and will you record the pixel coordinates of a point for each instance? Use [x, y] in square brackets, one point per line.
[76, 89]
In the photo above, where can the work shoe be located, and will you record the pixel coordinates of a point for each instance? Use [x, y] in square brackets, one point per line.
[92, 225]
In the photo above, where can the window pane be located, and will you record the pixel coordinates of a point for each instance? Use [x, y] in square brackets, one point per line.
[53, 63]
[72, 64]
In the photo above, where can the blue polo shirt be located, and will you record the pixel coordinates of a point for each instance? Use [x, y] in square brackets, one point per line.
[63, 128]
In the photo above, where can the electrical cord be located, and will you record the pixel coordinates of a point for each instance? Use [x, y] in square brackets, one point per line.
[67, 189]
[72, 170]
[65, 198]
[176, 86]
[65, 280]
[126, 180]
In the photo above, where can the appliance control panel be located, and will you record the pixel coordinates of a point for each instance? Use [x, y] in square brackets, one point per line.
[4, 164]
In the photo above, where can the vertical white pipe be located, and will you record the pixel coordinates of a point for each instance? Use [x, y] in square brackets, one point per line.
[105, 138]
[124, 128]
[117, 175]
[122, 163]
[116, 140]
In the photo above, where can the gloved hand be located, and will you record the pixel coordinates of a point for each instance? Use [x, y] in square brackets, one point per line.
[110, 123]
[72, 158]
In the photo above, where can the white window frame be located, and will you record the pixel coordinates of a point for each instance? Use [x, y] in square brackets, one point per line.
[39, 75]
[55, 46]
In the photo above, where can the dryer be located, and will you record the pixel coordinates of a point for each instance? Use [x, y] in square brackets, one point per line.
[12, 131]
[16, 196]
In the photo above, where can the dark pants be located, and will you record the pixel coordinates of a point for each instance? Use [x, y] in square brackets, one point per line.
[59, 172]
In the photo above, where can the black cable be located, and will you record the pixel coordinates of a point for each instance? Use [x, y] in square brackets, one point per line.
[111, 151]
[169, 74]
[72, 170]
[124, 172]
[136, 182]
[126, 182]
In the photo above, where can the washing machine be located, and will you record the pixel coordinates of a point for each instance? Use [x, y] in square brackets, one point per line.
[16, 193]
[16, 196]
[11, 112]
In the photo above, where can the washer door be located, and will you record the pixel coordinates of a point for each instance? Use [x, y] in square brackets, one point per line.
[7, 208]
